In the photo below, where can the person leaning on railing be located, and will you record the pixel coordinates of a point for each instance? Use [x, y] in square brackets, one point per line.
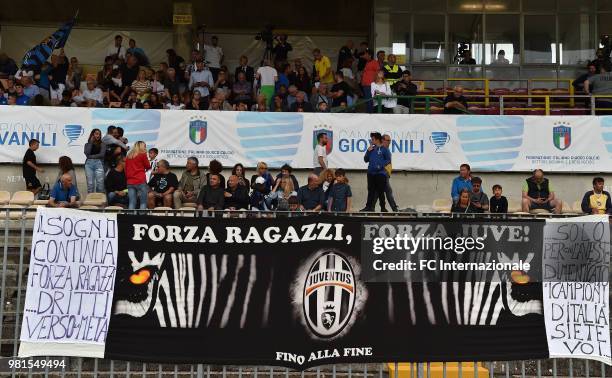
[601, 84]
[455, 103]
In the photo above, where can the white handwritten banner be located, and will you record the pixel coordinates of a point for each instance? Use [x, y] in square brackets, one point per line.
[576, 259]
[70, 283]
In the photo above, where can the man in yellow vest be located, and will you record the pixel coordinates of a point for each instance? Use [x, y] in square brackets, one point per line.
[393, 72]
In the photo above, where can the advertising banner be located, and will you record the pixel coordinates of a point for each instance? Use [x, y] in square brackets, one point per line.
[419, 142]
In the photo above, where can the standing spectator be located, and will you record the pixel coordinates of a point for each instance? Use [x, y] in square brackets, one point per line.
[63, 193]
[244, 67]
[380, 59]
[404, 87]
[115, 87]
[22, 98]
[463, 204]
[538, 193]
[214, 56]
[212, 195]
[215, 168]
[95, 151]
[498, 204]
[114, 147]
[105, 76]
[360, 56]
[467, 58]
[368, 76]
[380, 87]
[310, 196]
[67, 168]
[378, 157]
[262, 171]
[172, 85]
[174, 60]
[320, 153]
[478, 199]
[190, 185]
[340, 195]
[326, 182]
[152, 155]
[455, 103]
[340, 91]
[201, 80]
[463, 181]
[162, 185]
[501, 58]
[281, 50]
[236, 195]
[139, 53]
[300, 104]
[389, 169]
[597, 201]
[242, 90]
[238, 171]
[116, 50]
[136, 164]
[76, 72]
[323, 67]
[129, 73]
[30, 168]
[345, 53]
[8, 67]
[393, 72]
[286, 171]
[116, 185]
[267, 78]
[601, 84]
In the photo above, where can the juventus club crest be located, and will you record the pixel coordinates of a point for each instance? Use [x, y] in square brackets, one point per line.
[329, 294]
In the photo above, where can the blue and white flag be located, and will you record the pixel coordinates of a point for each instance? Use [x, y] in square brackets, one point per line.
[39, 54]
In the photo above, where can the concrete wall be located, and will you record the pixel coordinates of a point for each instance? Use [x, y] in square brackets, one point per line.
[410, 188]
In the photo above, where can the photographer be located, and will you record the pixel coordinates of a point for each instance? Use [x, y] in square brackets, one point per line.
[281, 50]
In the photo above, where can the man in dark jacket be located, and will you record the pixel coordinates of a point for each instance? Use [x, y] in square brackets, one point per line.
[404, 87]
[378, 157]
[212, 195]
[538, 193]
[236, 196]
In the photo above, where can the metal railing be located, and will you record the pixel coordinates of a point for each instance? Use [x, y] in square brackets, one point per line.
[15, 241]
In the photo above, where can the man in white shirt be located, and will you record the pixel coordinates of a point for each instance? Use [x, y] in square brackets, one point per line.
[319, 160]
[267, 77]
[116, 50]
[93, 95]
[214, 56]
[201, 80]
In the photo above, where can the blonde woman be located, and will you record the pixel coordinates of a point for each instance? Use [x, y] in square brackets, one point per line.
[262, 171]
[141, 85]
[136, 164]
[326, 181]
[281, 193]
[381, 87]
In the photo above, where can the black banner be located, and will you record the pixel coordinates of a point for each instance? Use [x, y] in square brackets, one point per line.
[293, 292]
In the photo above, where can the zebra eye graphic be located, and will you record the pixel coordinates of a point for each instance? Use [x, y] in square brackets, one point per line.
[519, 277]
[141, 277]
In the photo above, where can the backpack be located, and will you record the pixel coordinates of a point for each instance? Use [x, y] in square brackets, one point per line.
[45, 193]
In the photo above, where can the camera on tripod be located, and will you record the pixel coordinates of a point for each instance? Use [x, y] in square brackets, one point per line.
[266, 35]
[462, 50]
[606, 44]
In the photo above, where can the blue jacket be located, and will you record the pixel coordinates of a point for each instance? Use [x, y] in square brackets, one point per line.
[460, 183]
[377, 159]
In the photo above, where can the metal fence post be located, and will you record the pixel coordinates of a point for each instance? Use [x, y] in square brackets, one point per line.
[501, 105]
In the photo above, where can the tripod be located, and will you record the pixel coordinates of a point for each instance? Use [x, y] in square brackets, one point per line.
[267, 55]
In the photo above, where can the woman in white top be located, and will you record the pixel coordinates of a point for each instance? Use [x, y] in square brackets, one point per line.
[381, 87]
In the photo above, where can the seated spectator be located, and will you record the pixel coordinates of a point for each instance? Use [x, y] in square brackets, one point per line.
[463, 204]
[326, 182]
[29, 88]
[190, 185]
[247, 70]
[578, 84]
[64, 193]
[212, 195]
[323, 107]
[221, 96]
[105, 76]
[116, 185]
[302, 80]
[478, 199]
[115, 87]
[463, 181]
[311, 196]
[238, 171]
[340, 195]
[242, 90]
[280, 194]
[321, 95]
[155, 102]
[287, 171]
[157, 86]
[175, 103]
[66, 98]
[262, 171]
[294, 204]
[172, 85]
[278, 105]
[260, 104]
[30, 167]
[11, 99]
[21, 97]
[236, 195]
[67, 168]
[404, 87]
[221, 83]
[455, 103]
[538, 193]
[501, 58]
[162, 184]
[498, 204]
[196, 102]
[597, 201]
[141, 85]
[3, 96]
[258, 196]
[300, 104]
[93, 95]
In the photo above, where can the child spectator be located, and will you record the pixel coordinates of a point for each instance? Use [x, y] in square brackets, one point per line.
[498, 203]
[30, 168]
[153, 152]
[340, 193]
